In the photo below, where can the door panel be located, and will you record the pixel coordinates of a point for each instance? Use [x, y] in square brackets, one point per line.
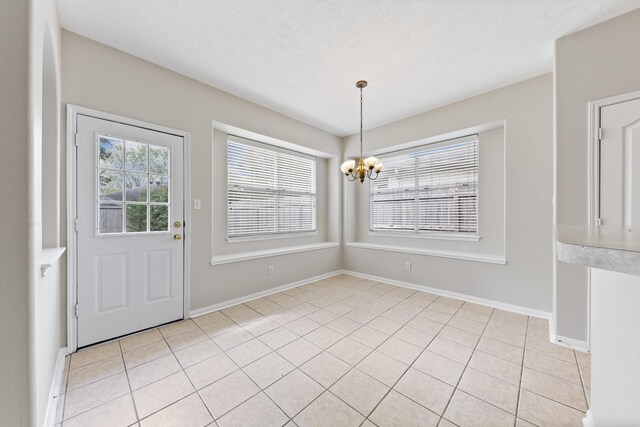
[158, 283]
[129, 195]
[111, 284]
[620, 164]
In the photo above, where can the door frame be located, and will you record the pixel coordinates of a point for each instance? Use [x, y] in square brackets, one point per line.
[593, 172]
[594, 108]
[73, 111]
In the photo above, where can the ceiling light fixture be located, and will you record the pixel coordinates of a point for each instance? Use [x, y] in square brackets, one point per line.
[361, 168]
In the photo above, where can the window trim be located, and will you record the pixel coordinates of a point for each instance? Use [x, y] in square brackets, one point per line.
[434, 235]
[255, 237]
[276, 149]
[425, 234]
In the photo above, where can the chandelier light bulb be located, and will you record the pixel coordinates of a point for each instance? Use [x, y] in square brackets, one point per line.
[370, 162]
[348, 166]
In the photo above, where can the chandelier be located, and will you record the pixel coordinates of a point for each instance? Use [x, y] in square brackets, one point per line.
[361, 168]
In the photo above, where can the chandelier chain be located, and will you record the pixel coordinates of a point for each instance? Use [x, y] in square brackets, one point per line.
[361, 149]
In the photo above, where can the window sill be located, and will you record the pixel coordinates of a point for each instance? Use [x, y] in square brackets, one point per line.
[434, 236]
[49, 257]
[492, 259]
[246, 256]
[270, 237]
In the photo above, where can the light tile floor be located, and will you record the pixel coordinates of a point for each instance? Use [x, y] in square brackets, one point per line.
[338, 352]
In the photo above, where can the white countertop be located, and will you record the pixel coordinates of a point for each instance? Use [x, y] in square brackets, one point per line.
[607, 247]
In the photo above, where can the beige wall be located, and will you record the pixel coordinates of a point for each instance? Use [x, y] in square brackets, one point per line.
[47, 328]
[525, 111]
[596, 63]
[31, 330]
[14, 393]
[105, 79]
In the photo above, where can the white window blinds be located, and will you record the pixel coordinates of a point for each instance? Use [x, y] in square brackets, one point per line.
[432, 190]
[269, 190]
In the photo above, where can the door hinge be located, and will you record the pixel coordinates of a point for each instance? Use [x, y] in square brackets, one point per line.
[600, 134]
[75, 139]
[76, 310]
[76, 224]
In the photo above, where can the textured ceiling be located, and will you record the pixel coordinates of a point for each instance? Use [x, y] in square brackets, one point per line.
[303, 57]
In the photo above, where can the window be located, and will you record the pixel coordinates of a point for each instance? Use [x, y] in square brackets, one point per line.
[433, 190]
[133, 186]
[270, 191]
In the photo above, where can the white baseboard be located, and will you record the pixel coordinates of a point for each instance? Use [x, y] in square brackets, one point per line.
[482, 301]
[587, 421]
[54, 392]
[476, 300]
[240, 300]
[569, 343]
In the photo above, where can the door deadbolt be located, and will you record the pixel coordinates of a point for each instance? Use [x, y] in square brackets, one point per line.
[177, 224]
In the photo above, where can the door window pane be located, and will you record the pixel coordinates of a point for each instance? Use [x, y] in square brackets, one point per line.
[137, 157]
[159, 218]
[159, 160]
[110, 152]
[159, 188]
[136, 187]
[110, 185]
[110, 220]
[136, 218]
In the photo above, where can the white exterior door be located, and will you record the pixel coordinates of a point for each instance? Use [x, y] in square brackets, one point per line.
[130, 226]
[620, 164]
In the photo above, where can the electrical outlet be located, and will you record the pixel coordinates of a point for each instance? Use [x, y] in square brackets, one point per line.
[197, 204]
[407, 266]
[271, 269]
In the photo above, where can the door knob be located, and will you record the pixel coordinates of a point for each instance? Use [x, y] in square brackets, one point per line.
[177, 236]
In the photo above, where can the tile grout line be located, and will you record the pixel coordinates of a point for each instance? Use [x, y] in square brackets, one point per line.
[414, 360]
[182, 369]
[524, 352]
[153, 382]
[553, 376]
[362, 325]
[65, 384]
[215, 420]
[93, 382]
[101, 379]
[327, 389]
[455, 387]
[240, 368]
[420, 354]
[545, 372]
[126, 372]
[339, 316]
[580, 374]
[290, 419]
